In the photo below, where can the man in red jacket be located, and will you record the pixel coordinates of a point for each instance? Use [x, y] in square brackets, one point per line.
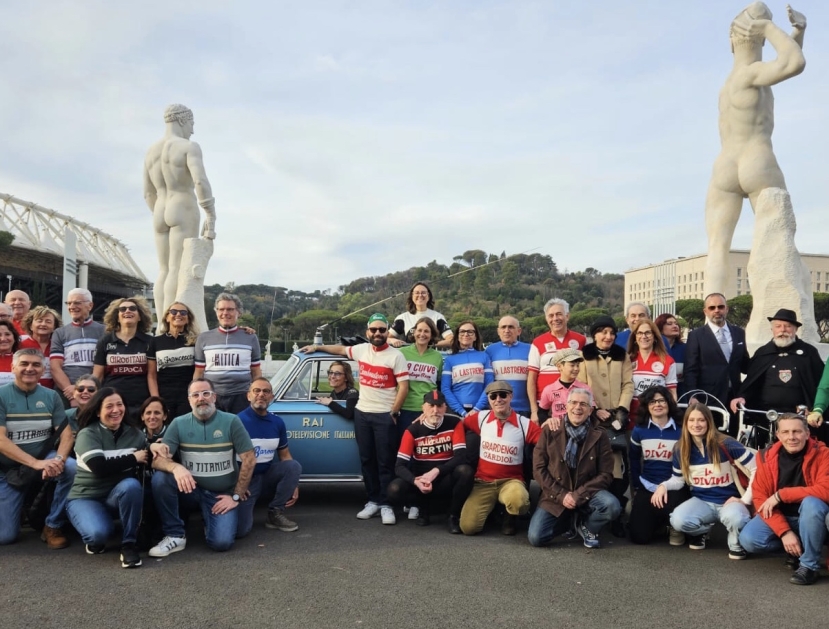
[790, 492]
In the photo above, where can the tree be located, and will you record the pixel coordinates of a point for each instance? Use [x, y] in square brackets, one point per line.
[822, 314]
[581, 320]
[6, 239]
[739, 310]
[692, 311]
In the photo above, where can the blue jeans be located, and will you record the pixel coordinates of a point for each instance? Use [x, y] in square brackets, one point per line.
[810, 524]
[284, 476]
[11, 503]
[92, 517]
[601, 509]
[376, 435]
[697, 517]
[220, 529]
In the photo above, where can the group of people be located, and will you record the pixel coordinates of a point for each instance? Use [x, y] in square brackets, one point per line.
[141, 429]
[595, 422]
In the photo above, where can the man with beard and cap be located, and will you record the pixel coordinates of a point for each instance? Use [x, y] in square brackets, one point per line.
[208, 477]
[784, 373]
[505, 437]
[384, 384]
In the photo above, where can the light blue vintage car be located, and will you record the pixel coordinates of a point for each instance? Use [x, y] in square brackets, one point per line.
[322, 441]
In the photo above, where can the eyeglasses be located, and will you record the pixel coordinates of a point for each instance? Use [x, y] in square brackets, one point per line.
[467, 332]
[176, 311]
[259, 391]
[720, 307]
[72, 304]
[378, 330]
[127, 308]
[498, 394]
[225, 309]
[336, 373]
[83, 389]
[645, 334]
[579, 404]
[657, 402]
[420, 293]
[197, 394]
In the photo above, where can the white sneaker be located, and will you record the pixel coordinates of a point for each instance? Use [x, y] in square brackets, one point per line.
[387, 515]
[167, 546]
[414, 513]
[371, 510]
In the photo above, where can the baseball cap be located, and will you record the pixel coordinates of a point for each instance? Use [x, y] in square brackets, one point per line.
[378, 316]
[435, 398]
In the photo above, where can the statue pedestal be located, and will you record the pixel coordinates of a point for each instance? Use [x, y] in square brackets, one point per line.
[196, 253]
[777, 275]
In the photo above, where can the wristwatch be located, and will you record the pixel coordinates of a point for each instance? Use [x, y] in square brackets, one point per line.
[235, 497]
[58, 457]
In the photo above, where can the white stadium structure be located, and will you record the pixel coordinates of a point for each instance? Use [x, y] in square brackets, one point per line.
[34, 261]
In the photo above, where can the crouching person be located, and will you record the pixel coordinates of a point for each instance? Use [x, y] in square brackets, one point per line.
[574, 466]
[790, 491]
[106, 484]
[430, 464]
[276, 470]
[500, 475]
[208, 441]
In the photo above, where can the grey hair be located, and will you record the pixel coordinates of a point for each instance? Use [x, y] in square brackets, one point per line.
[800, 418]
[27, 351]
[578, 391]
[555, 301]
[637, 303]
[88, 377]
[178, 113]
[83, 292]
[229, 297]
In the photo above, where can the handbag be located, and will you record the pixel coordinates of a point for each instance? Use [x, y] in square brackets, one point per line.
[22, 476]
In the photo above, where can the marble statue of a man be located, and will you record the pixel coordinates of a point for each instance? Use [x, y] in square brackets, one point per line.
[175, 185]
[746, 164]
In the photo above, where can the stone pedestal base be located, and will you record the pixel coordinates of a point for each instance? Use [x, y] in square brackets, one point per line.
[194, 258]
[776, 273]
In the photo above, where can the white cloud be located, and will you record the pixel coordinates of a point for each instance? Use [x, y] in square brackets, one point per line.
[342, 142]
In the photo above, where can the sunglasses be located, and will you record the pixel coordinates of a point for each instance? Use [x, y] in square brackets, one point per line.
[335, 373]
[720, 307]
[127, 308]
[176, 311]
[83, 389]
[498, 394]
[378, 330]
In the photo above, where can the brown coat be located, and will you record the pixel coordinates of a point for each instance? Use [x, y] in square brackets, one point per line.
[611, 381]
[594, 469]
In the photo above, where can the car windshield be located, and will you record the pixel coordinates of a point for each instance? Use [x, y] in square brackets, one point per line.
[284, 371]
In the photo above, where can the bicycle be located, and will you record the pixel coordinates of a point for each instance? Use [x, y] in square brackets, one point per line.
[706, 398]
[752, 435]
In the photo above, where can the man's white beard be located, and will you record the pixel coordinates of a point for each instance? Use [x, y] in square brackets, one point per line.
[783, 342]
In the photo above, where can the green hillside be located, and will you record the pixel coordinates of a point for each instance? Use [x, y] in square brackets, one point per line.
[478, 285]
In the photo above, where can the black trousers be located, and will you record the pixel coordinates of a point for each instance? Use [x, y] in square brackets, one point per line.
[646, 520]
[455, 486]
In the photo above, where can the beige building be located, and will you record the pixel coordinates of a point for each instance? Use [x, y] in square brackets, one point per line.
[660, 285]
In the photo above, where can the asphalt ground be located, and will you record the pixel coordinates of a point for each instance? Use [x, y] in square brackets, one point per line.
[337, 571]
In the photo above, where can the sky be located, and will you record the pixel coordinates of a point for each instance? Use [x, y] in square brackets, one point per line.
[347, 139]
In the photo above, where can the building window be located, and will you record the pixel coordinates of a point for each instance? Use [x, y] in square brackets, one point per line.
[818, 276]
[739, 285]
[739, 271]
[739, 292]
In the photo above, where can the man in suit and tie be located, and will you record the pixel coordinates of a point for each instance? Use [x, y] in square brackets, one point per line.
[716, 355]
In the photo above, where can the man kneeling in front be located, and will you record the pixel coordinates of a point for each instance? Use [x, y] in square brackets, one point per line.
[574, 466]
[208, 441]
[790, 491]
[500, 475]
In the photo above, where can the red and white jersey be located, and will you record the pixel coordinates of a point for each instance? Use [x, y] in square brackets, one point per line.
[653, 371]
[502, 444]
[541, 356]
[554, 397]
[432, 445]
[381, 368]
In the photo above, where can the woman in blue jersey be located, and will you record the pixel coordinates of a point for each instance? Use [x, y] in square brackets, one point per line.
[466, 372]
[708, 462]
[651, 454]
